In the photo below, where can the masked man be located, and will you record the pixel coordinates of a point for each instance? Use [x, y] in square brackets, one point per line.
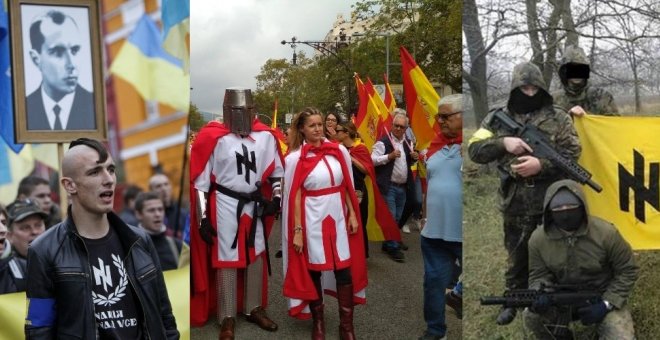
[236, 169]
[523, 177]
[574, 248]
[578, 96]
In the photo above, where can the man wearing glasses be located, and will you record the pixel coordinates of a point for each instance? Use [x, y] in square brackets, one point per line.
[392, 157]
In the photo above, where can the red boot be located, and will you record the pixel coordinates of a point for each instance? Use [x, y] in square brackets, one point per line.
[318, 327]
[345, 299]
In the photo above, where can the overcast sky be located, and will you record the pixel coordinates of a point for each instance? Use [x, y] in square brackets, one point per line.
[231, 40]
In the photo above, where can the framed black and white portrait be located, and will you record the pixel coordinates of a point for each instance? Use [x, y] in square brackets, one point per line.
[57, 70]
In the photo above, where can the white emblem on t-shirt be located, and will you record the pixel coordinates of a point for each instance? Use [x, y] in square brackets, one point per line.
[102, 277]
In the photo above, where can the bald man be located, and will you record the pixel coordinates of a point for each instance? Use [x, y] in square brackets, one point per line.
[60, 103]
[175, 216]
[110, 269]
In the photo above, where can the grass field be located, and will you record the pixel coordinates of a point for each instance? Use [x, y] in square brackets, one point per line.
[484, 259]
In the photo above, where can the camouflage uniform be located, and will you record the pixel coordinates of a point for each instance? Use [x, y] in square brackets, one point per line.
[594, 100]
[521, 199]
[595, 255]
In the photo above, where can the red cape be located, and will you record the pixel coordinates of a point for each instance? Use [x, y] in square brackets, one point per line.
[440, 140]
[297, 282]
[203, 298]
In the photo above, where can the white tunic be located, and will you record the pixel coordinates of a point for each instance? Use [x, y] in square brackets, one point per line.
[238, 164]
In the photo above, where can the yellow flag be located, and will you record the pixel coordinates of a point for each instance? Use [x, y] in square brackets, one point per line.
[13, 307]
[628, 169]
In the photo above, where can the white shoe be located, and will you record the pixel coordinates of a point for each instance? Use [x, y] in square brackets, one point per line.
[405, 229]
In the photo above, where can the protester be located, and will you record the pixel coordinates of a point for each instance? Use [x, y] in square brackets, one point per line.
[523, 177]
[37, 189]
[93, 276]
[175, 216]
[235, 166]
[573, 248]
[128, 213]
[392, 156]
[25, 223]
[150, 212]
[361, 163]
[331, 120]
[442, 235]
[5, 246]
[320, 218]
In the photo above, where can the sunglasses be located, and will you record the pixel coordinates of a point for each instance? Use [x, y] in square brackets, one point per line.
[440, 117]
[397, 126]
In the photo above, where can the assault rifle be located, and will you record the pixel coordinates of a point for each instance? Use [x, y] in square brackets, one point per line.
[542, 147]
[558, 295]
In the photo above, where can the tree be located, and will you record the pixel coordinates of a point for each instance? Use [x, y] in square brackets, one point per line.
[195, 118]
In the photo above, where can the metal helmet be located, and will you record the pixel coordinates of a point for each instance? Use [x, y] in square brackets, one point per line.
[238, 110]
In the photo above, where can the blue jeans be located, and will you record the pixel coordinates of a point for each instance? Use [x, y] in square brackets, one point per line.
[439, 258]
[396, 200]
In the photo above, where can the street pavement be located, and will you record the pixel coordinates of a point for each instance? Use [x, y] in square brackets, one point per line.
[394, 309]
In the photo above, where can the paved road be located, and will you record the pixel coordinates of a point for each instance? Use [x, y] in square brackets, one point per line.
[394, 308]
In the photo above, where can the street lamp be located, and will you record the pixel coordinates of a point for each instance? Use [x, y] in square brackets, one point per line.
[341, 41]
[387, 49]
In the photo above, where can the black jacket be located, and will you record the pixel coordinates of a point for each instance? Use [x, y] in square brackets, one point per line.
[59, 288]
[384, 171]
[13, 270]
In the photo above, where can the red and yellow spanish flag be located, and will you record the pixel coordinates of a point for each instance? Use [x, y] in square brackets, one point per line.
[280, 135]
[390, 103]
[368, 116]
[421, 100]
[380, 222]
[382, 108]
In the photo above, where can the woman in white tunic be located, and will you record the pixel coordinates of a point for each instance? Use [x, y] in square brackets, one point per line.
[324, 250]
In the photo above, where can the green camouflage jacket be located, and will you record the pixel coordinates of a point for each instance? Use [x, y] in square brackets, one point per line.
[524, 196]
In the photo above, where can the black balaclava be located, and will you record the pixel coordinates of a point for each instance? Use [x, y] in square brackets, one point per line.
[574, 71]
[567, 219]
[522, 104]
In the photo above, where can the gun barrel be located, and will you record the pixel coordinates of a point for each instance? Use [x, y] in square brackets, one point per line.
[492, 300]
[594, 185]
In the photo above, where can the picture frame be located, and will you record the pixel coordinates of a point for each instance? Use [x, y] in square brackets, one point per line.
[57, 70]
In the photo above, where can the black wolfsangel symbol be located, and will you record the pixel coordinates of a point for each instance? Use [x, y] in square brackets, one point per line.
[628, 181]
[249, 163]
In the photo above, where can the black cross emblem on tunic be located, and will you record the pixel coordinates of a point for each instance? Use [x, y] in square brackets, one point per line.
[249, 162]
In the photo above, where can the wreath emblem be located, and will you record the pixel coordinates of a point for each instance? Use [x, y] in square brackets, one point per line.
[118, 293]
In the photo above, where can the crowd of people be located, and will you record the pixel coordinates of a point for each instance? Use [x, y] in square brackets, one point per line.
[241, 180]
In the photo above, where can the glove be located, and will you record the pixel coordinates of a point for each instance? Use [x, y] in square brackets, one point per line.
[541, 304]
[206, 231]
[594, 313]
[272, 207]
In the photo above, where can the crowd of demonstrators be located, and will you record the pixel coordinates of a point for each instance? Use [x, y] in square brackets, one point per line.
[442, 234]
[94, 245]
[524, 178]
[37, 189]
[235, 167]
[320, 227]
[26, 221]
[129, 194]
[175, 215]
[393, 156]
[150, 211]
[573, 248]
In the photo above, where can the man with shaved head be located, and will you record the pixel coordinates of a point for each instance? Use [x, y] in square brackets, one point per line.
[60, 103]
[110, 269]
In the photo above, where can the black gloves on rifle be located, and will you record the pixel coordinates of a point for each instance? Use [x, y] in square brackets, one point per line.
[593, 313]
[206, 231]
[541, 305]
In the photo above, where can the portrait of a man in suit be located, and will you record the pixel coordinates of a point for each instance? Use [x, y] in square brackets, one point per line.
[60, 102]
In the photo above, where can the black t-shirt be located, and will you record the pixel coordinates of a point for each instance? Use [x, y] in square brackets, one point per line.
[115, 305]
